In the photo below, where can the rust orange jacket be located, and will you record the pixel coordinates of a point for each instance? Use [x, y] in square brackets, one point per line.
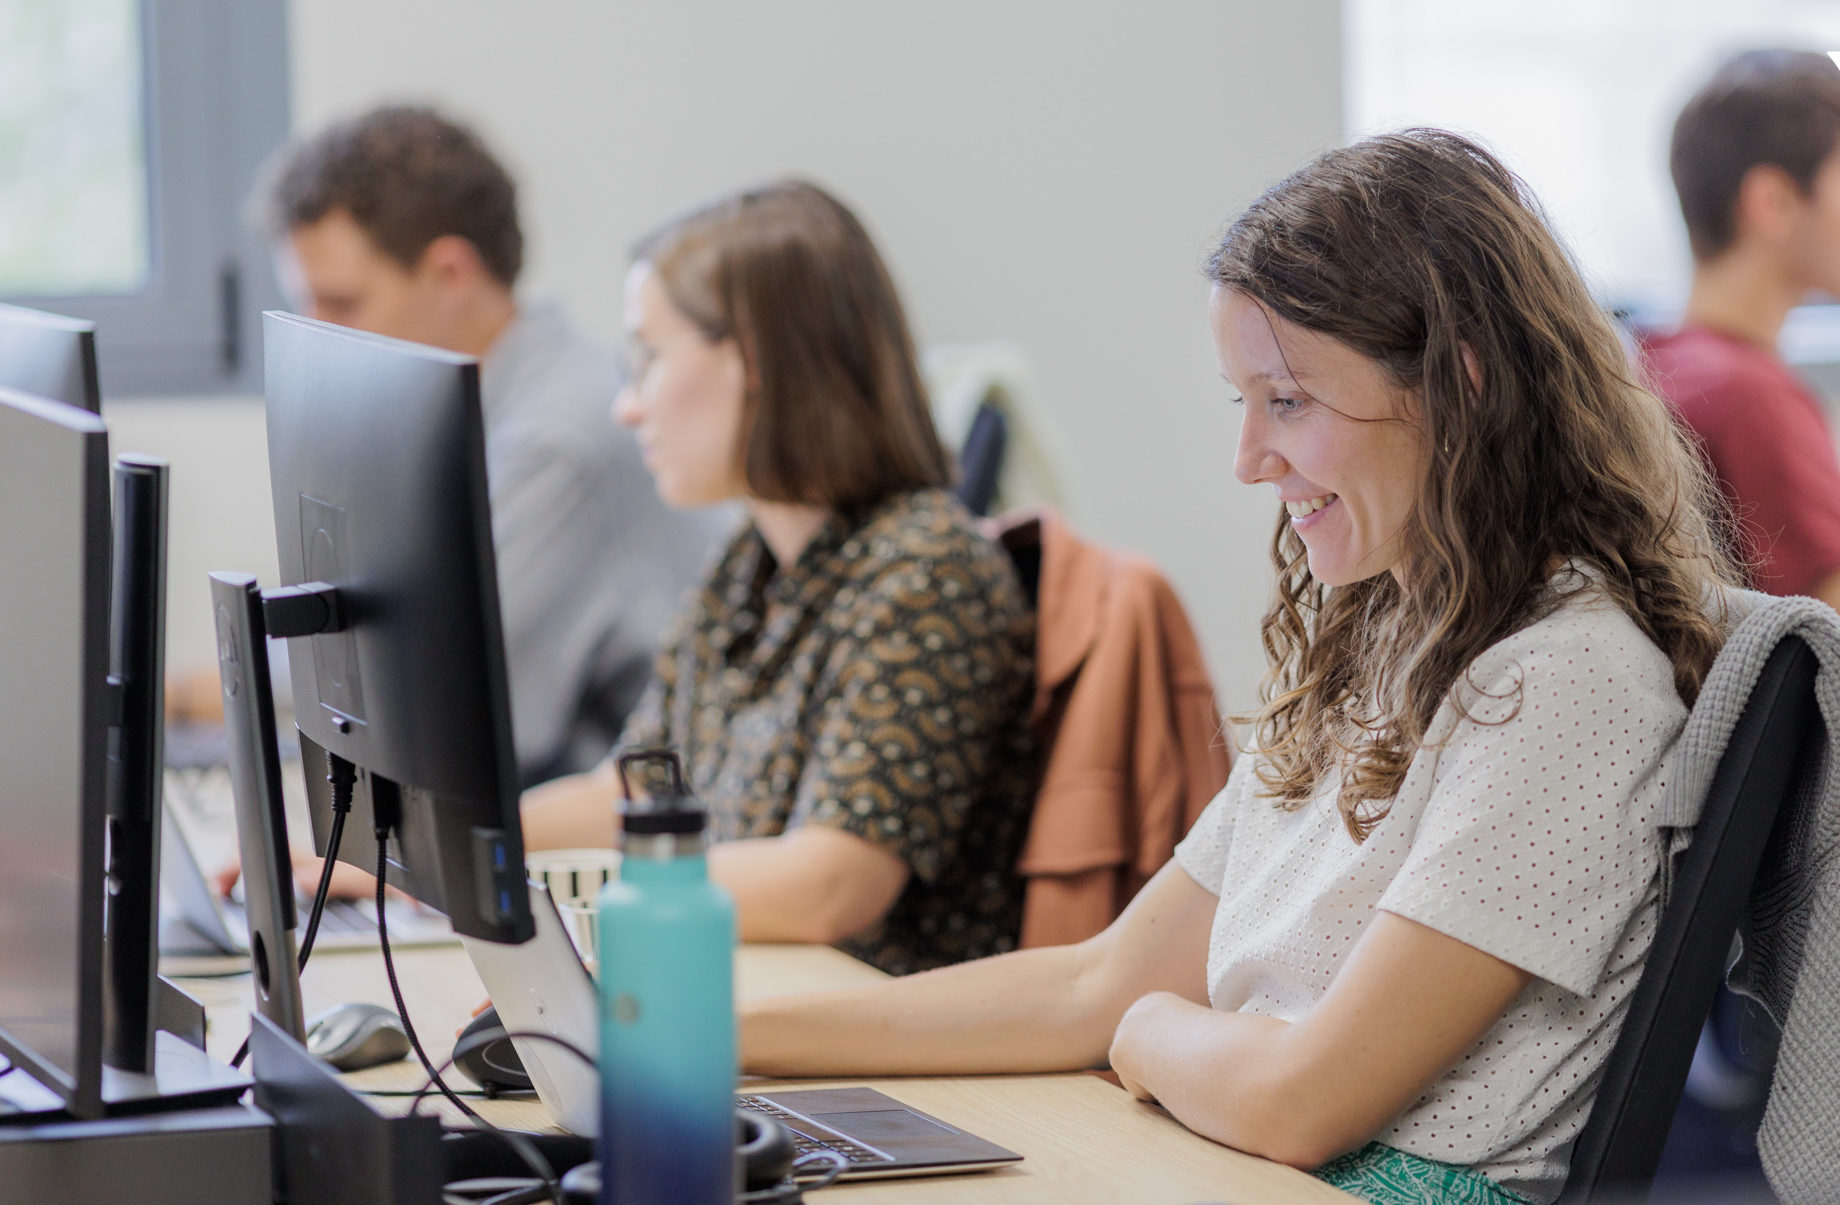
[1125, 722]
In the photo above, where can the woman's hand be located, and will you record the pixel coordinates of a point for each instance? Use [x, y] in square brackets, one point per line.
[1142, 1041]
[348, 882]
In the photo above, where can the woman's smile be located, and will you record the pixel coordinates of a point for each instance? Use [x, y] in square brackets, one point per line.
[1307, 512]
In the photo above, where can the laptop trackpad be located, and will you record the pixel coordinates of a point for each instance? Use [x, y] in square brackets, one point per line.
[903, 1133]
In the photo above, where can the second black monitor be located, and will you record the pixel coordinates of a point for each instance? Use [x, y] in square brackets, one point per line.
[377, 458]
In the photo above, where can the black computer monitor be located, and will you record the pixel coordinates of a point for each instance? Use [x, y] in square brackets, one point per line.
[376, 453]
[137, 674]
[50, 356]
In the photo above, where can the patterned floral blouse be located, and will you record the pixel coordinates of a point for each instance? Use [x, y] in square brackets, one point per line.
[881, 686]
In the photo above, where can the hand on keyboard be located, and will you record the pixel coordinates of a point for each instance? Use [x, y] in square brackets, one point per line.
[348, 882]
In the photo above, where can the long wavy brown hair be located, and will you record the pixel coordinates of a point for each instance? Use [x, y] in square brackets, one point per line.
[1416, 249]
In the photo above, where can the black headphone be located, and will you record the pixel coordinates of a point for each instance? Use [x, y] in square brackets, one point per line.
[763, 1145]
[766, 1161]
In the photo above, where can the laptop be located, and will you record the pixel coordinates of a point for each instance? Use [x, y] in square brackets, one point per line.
[195, 921]
[543, 986]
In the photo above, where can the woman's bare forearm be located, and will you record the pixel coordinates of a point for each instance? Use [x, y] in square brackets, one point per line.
[1026, 1011]
[1048, 1009]
[812, 884]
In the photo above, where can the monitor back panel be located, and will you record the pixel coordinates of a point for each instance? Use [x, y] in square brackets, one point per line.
[54, 591]
[377, 457]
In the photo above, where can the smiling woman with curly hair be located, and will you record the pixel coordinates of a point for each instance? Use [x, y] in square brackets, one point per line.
[1399, 946]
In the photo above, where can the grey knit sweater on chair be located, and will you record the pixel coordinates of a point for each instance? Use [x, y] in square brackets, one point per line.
[1790, 935]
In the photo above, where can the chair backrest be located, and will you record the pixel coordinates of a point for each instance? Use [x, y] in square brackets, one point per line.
[980, 461]
[1620, 1146]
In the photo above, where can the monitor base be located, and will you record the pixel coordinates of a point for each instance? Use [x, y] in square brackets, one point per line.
[181, 1157]
[184, 1077]
[335, 1147]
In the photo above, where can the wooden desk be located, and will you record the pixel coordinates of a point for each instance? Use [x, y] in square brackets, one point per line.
[1082, 1138]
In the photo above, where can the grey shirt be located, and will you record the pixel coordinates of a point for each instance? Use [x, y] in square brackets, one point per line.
[591, 564]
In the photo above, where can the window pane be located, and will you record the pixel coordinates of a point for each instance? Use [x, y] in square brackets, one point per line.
[73, 163]
[1579, 96]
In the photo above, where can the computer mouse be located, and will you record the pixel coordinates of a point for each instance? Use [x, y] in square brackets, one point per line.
[486, 1056]
[352, 1037]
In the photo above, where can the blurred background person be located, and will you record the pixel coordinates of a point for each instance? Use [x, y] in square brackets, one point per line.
[1755, 158]
[850, 688]
[402, 223]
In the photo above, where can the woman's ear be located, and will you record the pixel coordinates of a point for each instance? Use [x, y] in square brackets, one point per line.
[1472, 367]
[750, 372]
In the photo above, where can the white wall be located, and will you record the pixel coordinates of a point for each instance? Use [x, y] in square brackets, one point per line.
[220, 516]
[1044, 173]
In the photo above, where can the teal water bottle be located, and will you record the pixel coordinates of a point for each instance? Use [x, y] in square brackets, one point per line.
[667, 1007]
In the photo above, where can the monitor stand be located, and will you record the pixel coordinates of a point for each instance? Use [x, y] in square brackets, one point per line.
[255, 785]
[184, 1077]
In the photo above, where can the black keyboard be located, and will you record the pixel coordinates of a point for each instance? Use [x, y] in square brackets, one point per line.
[805, 1141]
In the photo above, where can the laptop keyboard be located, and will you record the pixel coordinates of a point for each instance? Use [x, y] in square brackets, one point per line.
[804, 1143]
[341, 916]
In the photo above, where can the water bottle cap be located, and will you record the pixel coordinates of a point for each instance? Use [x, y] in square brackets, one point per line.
[669, 808]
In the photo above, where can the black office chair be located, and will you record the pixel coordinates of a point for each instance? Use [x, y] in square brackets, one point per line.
[1616, 1154]
[980, 461]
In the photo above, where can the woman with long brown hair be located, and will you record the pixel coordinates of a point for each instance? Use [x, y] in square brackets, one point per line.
[1399, 945]
[849, 687]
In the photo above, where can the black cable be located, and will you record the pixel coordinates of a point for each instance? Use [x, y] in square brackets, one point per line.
[526, 1151]
[343, 776]
[479, 1190]
[341, 808]
[466, 1194]
[838, 1163]
[523, 1196]
[453, 1191]
[428, 1089]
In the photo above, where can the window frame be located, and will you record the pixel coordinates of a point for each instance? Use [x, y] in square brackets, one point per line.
[216, 105]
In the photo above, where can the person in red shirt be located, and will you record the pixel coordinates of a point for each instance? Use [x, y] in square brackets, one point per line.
[1756, 163]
